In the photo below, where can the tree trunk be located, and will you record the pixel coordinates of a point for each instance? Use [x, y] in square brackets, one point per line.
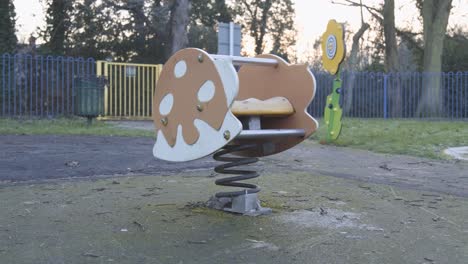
[391, 49]
[263, 26]
[391, 58]
[179, 20]
[435, 19]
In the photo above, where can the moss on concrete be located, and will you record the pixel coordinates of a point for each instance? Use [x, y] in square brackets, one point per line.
[147, 220]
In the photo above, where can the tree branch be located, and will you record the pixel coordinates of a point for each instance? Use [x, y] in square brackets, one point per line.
[356, 4]
[375, 12]
[409, 37]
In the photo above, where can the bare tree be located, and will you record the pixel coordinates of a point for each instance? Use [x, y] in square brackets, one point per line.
[351, 64]
[386, 17]
[435, 14]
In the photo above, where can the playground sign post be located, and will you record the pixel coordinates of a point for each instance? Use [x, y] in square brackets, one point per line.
[333, 50]
[229, 39]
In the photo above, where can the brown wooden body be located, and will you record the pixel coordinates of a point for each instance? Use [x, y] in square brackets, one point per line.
[294, 82]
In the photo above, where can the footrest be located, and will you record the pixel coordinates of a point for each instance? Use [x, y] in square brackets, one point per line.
[268, 133]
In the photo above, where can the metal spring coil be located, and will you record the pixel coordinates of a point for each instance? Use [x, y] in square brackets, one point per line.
[233, 161]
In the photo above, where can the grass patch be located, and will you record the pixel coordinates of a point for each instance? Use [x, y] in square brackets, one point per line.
[409, 137]
[65, 126]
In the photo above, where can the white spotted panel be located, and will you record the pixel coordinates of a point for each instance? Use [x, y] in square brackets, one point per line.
[166, 104]
[206, 92]
[180, 69]
[210, 140]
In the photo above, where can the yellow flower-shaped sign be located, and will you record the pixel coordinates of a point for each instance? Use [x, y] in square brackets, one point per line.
[333, 46]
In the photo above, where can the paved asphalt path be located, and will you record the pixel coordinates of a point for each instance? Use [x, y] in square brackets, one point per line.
[24, 158]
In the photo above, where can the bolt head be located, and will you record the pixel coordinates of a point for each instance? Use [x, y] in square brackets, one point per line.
[164, 121]
[200, 58]
[227, 135]
[199, 107]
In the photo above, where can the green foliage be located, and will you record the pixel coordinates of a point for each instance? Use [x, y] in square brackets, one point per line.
[137, 30]
[88, 24]
[209, 12]
[421, 138]
[8, 38]
[123, 30]
[375, 66]
[130, 36]
[204, 18]
[455, 55]
[57, 30]
[203, 37]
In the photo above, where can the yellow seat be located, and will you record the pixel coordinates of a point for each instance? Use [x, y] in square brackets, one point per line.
[273, 107]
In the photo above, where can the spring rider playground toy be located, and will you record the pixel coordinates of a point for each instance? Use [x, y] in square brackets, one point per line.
[333, 51]
[203, 106]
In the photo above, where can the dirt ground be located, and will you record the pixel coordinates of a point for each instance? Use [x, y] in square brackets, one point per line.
[70, 199]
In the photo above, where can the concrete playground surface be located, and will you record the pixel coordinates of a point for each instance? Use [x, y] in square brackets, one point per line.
[330, 205]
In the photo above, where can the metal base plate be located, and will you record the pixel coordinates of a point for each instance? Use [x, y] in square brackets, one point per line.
[246, 204]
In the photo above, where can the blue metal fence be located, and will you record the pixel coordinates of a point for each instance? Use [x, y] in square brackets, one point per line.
[40, 85]
[395, 95]
[44, 86]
